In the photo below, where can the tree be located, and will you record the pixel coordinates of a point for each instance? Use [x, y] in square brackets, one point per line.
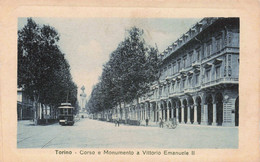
[128, 73]
[43, 71]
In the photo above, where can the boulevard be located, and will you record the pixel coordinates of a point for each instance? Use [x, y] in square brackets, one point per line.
[88, 133]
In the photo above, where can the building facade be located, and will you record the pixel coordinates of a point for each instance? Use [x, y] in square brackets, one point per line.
[25, 110]
[24, 106]
[199, 79]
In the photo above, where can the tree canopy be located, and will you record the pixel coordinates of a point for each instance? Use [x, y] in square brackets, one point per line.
[43, 71]
[127, 74]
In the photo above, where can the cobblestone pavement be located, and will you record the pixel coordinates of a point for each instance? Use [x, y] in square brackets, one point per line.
[88, 133]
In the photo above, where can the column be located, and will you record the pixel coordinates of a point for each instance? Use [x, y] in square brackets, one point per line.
[188, 118]
[140, 112]
[155, 115]
[145, 113]
[195, 115]
[21, 116]
[182, 114]
[214, 122]
[205, 115]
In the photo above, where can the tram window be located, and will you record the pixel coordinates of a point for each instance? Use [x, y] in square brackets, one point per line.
[65, 111]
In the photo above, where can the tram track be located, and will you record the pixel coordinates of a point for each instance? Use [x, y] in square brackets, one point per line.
[59, 134]
[45, 141]
[25, 138]
[49, 142]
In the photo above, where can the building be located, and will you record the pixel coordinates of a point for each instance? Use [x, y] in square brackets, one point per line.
[199, 78]
[24, 106]
[25, 110]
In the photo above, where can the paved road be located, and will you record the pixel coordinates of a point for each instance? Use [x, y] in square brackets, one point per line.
[89, 133]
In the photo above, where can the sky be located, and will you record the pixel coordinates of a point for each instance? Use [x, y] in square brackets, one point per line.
[88, 42]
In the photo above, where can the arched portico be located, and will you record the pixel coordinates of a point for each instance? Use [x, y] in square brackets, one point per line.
[198, 107]
[185, 107]
[237, 112]
[165, 110]
[209, 110]
[219, 108]
[178, 110]
[190, 110]
[169, 111]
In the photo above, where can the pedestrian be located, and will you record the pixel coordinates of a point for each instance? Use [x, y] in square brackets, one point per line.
[118, 121]
[161, 123]
[146, 120]
[115, 122]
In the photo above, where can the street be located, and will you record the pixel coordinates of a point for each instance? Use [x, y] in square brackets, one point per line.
[88, 133]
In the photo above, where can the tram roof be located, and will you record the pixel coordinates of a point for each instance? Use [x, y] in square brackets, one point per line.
[65, 107]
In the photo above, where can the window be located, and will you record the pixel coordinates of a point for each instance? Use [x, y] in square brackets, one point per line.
[65, 111]
[218, 44]
[169, 70]
[198, 54]
[190, 54]
[217, 72]
[173, 68]
[184, 62]
[172, 87]
[179, 65]
[209, 48]
[190, 82]
[208, 75]
[196, 79]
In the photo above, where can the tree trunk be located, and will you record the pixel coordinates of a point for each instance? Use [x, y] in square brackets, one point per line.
[42, 114]
[36, 113]
[120, 110]
[35, 105]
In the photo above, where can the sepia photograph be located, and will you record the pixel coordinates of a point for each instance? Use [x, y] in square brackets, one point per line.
[155, 83]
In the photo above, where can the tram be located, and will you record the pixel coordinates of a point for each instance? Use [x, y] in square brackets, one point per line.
[66, 116]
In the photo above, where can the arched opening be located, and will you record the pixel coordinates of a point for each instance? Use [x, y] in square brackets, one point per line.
[209, 102]
[237, 112]
[185, 110]
[170, 109]
[179, 110]
[174, 109]
[191, 103]
[154, 111]
[219, 108]
[148, 113]
[198, 101]
[165, 111]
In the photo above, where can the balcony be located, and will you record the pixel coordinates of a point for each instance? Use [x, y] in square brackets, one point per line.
[219, 81]
[195, 64]
[182, 71]
[224, 50]
[191, 89]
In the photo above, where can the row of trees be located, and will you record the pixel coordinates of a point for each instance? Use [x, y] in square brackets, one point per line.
[43, 71]
[132, 67]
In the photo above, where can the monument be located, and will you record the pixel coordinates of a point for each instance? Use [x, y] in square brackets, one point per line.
[83, 97]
